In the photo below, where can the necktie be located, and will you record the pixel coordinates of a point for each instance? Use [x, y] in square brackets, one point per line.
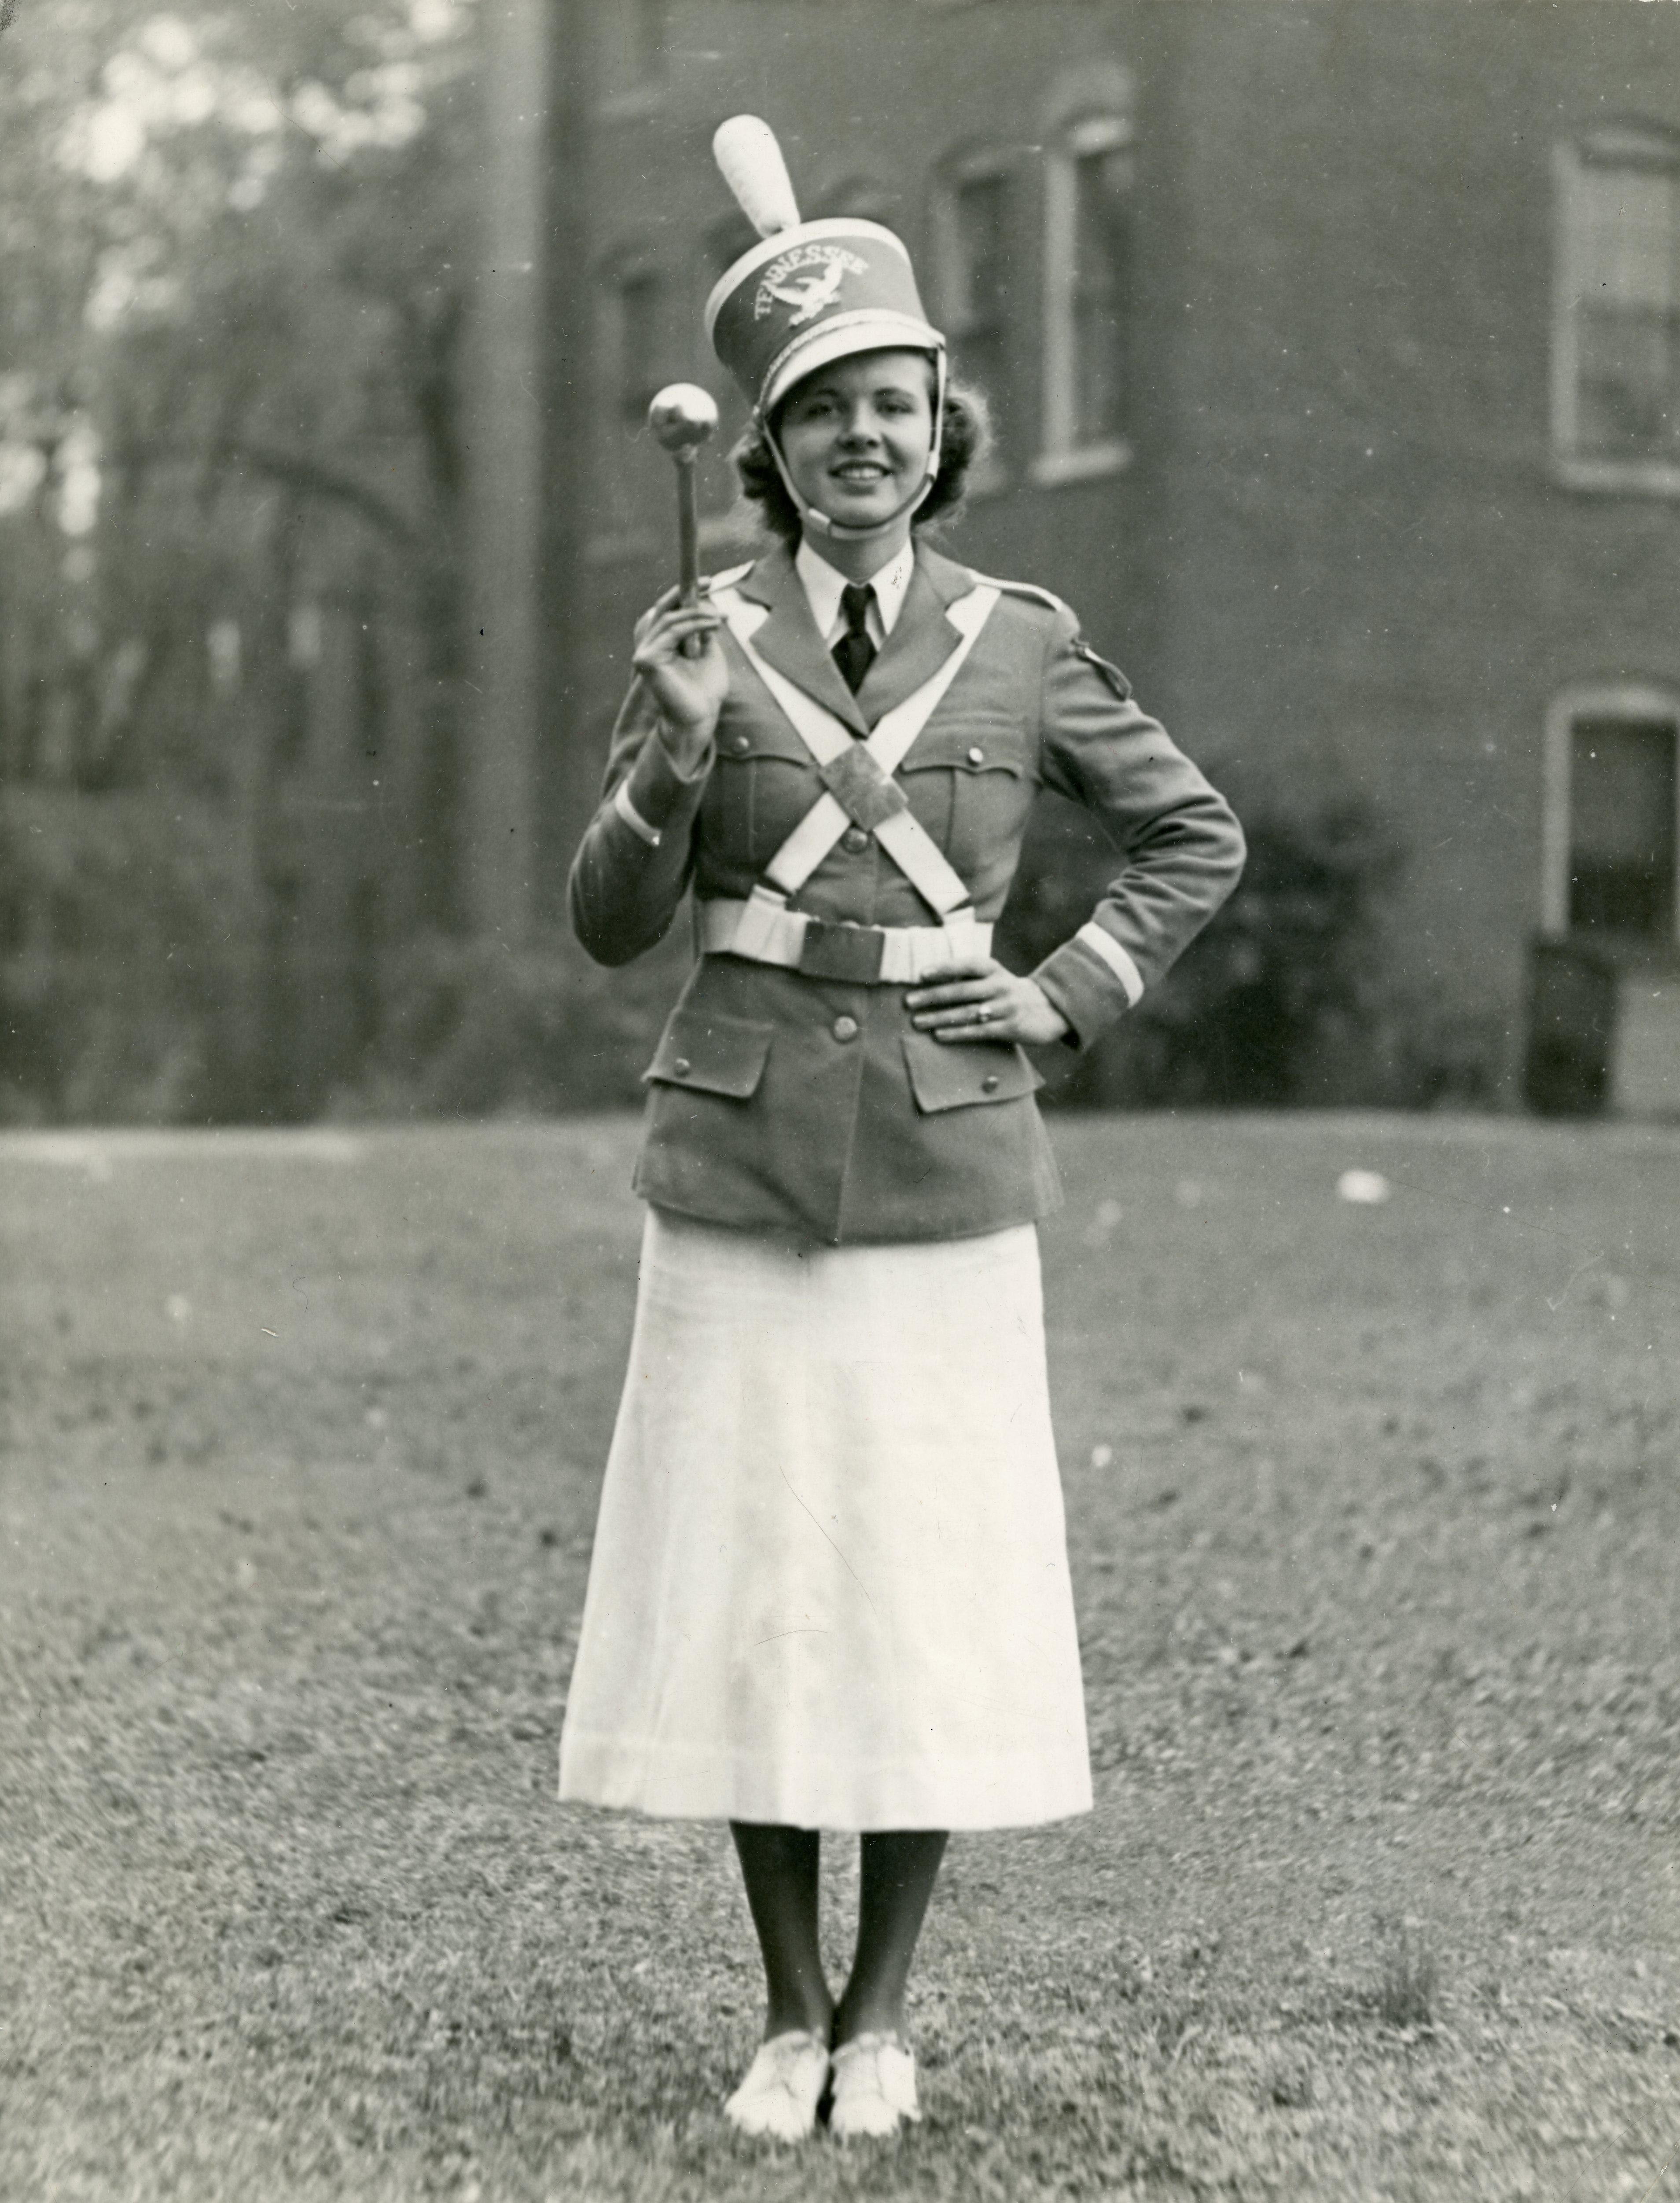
[855, 652]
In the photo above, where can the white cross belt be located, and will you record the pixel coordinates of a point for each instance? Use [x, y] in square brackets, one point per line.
[858, 789]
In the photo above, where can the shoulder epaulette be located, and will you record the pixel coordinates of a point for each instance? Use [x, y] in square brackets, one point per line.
[1110, 673]
[1024, 589]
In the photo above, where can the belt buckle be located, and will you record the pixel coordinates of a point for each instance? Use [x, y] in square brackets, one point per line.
[832, 951]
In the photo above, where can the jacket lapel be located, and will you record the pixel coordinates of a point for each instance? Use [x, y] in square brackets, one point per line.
[789, 641]
[920, 641]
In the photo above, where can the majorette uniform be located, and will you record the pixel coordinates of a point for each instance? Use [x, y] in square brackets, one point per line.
[830, 1584]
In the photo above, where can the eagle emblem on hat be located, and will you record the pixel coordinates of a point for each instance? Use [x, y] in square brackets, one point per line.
[812, 294]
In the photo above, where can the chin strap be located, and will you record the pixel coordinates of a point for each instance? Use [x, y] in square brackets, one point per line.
[842, 531]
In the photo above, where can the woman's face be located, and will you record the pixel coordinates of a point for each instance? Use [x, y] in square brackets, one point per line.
[856, 436]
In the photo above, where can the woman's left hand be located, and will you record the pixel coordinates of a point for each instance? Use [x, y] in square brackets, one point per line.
[980, 1001]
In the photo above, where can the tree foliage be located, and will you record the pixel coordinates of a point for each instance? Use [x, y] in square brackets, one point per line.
[1288, 969]
[231, 293]
[232, 269]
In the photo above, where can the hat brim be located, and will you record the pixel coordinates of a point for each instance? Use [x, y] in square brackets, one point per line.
[871, 328]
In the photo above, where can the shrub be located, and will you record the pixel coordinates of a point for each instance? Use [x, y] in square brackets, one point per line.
[1427, 1054]
[124, 929]
[470, 1028]
[1289, 971]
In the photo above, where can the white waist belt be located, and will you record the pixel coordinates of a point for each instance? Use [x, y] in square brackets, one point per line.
[878, 955]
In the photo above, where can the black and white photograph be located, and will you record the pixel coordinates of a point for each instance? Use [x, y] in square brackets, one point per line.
[840, 1101]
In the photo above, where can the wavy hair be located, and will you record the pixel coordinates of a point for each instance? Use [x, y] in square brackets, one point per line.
[966, 441]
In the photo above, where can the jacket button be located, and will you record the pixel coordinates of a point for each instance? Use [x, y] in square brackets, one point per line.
[977, 756]
[854, 840]
[682, 1067]
[742, 743]
[988, 1083]
[844, 1028]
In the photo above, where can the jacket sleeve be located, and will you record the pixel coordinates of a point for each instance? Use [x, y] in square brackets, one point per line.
[633, 862]
[1182, 845]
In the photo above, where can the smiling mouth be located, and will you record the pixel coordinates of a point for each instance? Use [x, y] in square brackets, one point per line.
[860, 475]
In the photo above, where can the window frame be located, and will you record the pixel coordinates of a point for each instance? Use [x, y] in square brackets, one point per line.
[1642, 144]
[619, 497]
[979, 164]
[1635, 700]
[632, 393]
[1060, 457]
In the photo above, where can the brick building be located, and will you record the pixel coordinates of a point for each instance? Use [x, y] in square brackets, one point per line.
[1335, 350]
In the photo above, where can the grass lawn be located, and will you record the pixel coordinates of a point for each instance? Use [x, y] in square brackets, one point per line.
[1375, 1517]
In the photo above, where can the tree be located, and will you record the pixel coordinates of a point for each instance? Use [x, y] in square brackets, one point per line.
[232, 290]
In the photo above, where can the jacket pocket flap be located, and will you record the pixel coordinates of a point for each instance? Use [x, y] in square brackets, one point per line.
[970, 747]
[719, 1055]
[965, 1074]
[748, 735]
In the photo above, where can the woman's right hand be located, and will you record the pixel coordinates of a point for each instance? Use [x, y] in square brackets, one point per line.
[689, 691]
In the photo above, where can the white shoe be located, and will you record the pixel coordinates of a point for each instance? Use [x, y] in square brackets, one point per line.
[874, 2086]
[783, 2088]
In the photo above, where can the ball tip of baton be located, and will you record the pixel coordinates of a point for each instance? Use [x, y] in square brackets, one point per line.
[681, 416]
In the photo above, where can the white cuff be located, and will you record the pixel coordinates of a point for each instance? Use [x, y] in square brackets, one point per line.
[632, 817]
[1104, 945]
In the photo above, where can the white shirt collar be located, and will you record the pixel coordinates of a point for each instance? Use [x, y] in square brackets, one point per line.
[823, 586]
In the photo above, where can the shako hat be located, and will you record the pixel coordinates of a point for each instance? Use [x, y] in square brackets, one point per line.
[811, 291]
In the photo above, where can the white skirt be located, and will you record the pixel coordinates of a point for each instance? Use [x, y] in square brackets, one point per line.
[830, 1582]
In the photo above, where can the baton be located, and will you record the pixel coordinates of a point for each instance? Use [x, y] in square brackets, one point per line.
[682, 416]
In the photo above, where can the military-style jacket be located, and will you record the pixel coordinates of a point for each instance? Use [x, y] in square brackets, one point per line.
[780, 1101]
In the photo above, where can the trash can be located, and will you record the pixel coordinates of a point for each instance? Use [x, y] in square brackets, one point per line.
[1573, 1002]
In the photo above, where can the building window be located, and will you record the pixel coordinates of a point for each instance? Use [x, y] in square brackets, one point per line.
[1613, 818]
[971, 215]
[637, 349]
[1616, 338]
[631, 369]
[1087, 301]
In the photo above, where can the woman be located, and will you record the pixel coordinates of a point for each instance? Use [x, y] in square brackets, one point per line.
[830, 1585]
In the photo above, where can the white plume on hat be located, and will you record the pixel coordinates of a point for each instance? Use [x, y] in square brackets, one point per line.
[746, 151]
